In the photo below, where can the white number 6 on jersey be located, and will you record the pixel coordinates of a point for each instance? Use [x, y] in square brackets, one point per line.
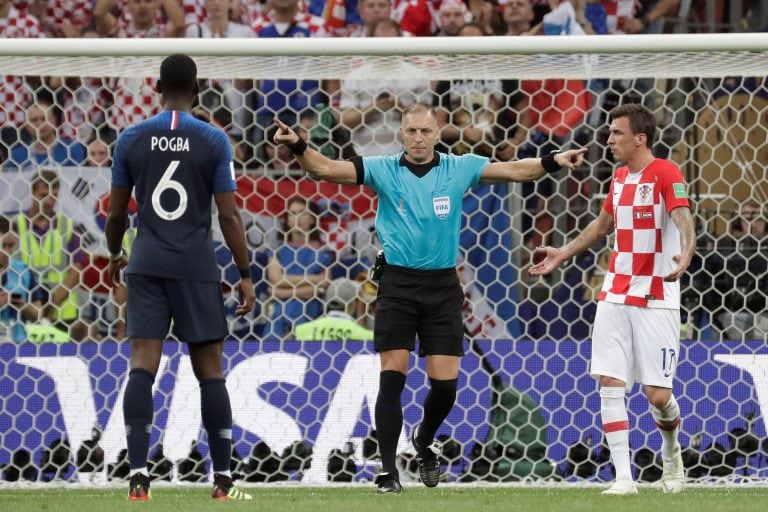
[166, 183]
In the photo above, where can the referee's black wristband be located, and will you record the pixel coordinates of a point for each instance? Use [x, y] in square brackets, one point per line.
[549, 164]
[298, 148]
[245, 273]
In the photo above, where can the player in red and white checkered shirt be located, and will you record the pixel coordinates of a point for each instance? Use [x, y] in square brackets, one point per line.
[636, 336]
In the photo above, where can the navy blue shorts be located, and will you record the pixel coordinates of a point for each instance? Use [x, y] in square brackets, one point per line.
[196, 308]
[423, 303]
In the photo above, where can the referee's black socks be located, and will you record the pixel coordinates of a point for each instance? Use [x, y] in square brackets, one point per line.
[389, 417]
[437, 405]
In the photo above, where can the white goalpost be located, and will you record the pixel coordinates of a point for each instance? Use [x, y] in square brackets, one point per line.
[526, 409]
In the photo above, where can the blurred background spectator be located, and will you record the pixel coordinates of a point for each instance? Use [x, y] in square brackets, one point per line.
[299, 270]
[340, 321]
[40, 144]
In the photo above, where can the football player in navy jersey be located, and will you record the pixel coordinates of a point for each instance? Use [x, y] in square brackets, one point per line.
[176, 164]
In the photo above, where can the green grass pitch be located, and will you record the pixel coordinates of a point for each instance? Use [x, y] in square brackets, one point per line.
[413, 499]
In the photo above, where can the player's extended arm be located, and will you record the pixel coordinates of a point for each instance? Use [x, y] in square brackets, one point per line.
[529, 169]
[234, 235]
[547, 259]
[114, 229]
[683, 219]
[316, 165]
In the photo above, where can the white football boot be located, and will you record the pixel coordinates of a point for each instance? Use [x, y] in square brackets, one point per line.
[621, 488]
[673, 477]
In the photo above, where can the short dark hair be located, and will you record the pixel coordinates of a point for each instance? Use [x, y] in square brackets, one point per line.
[178, 75]
[45, 177]
[5, 225]
[641, 120]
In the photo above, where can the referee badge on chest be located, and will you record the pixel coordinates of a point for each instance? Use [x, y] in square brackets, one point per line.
[442, 206]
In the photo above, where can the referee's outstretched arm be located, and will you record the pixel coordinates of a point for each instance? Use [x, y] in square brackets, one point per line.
[529, 169]
[316, 165]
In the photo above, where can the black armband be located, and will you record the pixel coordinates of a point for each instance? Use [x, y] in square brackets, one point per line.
[549, 164]
[245, 273]
[298, 148]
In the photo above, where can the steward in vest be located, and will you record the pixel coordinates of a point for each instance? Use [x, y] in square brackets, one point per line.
[51, 247]
[337, 324]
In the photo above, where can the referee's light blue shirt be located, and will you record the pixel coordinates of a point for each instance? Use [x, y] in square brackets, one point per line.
[419, 218]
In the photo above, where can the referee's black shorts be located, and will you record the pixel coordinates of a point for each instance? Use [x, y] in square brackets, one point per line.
[426, 303]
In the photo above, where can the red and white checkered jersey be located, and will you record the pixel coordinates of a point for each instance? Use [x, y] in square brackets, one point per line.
[194, 11]
[15, 94]
[646, 238]
[19, 24]
[135, 99]
[617, 12]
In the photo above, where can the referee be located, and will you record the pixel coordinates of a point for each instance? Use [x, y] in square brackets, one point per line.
[418, 220]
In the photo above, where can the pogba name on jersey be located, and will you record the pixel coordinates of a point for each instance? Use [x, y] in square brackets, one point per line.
[169, 144]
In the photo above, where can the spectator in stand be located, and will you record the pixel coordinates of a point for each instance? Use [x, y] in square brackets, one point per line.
[487, 14]
[359, 18]
[61, 18]
[736, 264]
[565, 18]
[285, 98]
[225, 99]
[21, 300]
[372, 109]
[84, 102]
[15, 91]
[39, 144]
[299, 270]
[50, 244]
[480, 116]
[414, 17]
[339, 323]
[451, 16]
[518, 15]
[135, 99]
[98, 154]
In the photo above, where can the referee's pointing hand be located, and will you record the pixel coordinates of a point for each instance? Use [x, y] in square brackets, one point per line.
[570, 159]
[284, 134]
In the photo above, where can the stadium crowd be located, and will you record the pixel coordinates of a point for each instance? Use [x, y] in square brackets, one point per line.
[53, 122]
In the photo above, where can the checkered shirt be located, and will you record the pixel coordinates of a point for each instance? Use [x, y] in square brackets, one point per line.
[617, 12]
[14, 92]
[645, 236]
[194, 11]
[135, 99]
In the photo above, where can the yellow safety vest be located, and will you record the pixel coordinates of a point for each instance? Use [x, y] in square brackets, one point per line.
[40, 333]
[50, 260]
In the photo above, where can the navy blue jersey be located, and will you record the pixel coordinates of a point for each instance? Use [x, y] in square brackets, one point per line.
[176, 163]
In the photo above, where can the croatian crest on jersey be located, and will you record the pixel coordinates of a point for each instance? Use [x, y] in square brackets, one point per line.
[645, 193]
[442, 206]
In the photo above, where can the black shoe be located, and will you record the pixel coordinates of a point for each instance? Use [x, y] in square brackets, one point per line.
[387, 483]
[426, 457]
[138, 488]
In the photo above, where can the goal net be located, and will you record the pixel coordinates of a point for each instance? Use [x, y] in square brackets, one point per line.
[303, 403]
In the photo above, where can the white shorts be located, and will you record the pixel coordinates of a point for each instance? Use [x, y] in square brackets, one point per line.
[635, 344]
